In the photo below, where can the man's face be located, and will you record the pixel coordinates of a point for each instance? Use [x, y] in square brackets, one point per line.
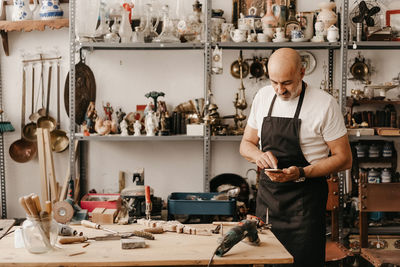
[286, 81]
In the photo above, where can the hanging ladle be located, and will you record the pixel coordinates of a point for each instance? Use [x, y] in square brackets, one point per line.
[29, 130]
[47, 121]
[42, 111]
[23, 150]
[59, 138]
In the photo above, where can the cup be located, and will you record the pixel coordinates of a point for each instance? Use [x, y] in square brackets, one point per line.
[296, 34]
[279, 34]
[269, 32]
[238, 35]
[262, 38]
[252, 38]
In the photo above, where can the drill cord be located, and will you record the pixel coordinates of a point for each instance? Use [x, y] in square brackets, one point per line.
[212, 257]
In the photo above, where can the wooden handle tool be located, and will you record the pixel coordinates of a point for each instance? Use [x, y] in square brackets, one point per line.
[23, 204]
[90, 224]
[148, 202]
[31, 206]
[36, 200]
[48, 207]
[72, 239]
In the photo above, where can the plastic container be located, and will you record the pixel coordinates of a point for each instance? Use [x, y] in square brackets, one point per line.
[199, 204]
[39, 235]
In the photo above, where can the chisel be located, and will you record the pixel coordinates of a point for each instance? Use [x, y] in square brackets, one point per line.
[96, 226]
[80, 239]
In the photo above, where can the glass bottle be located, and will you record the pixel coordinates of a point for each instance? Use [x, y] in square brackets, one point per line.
[39, 235]
[192, 28]
[168, 32]
[125, 29]
[149, 31]
[103, 28]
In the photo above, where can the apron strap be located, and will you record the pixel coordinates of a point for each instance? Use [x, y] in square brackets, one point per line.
[299, 104]
[303, 90]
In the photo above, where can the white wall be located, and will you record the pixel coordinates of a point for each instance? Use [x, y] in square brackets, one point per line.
[122, 78]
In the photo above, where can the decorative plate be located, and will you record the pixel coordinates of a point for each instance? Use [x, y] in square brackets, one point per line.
[309, 61]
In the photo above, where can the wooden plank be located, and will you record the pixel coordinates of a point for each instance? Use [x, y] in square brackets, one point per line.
[31, 25]
[42, 165]
[50, 165]
[168, 249]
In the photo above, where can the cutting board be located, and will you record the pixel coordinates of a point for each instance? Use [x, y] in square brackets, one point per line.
[5, 225]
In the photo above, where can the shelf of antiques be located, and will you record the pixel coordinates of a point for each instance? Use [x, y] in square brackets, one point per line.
[228, 138]
[140, 46]
[81, 137]
[374, 45]
[272, 45]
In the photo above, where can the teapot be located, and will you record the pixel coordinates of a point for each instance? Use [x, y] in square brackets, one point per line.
[22, 11]
[50, 9]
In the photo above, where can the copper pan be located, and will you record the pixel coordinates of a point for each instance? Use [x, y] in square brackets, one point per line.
[23, 150]
[59, 139]
[85, 91]
[47, 121]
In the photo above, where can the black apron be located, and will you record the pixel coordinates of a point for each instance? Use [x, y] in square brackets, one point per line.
[296, 210]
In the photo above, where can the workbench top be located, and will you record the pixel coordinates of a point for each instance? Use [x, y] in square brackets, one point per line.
[168, 249]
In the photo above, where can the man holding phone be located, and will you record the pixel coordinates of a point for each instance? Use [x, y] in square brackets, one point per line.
[299, 130]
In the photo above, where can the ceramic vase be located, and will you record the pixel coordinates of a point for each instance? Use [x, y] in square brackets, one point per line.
[327, 16]
[50, 9]
[269, 20]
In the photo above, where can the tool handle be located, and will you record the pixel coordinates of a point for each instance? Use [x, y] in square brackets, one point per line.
[90, 224]
[147, 192]
[36, 200]
[72, 239]
[31, 206]
[48, 206]
[23, 204]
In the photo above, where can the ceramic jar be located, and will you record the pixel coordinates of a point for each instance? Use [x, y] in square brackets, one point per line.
[374, 176]
[50, 9]
[373, 151]
[387, 151]
[327, 16]
[361, 150]
[386, 176]
[333, 34]
[22, 11]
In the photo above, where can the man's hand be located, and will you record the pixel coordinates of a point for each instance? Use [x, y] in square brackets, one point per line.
[290, 174]
[267, 160]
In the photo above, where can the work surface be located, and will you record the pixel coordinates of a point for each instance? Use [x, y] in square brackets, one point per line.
[168, 249]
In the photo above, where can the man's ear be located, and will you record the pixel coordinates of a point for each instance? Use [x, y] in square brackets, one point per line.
[302, 72]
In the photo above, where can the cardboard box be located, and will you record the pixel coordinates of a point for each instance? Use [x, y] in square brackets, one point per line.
[104, 216]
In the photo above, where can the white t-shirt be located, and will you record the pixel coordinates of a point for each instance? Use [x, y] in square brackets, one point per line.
[321, 119]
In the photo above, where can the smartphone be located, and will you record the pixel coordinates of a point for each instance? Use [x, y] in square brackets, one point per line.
[273, 170]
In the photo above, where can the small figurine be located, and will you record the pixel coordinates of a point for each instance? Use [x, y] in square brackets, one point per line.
[120, 116]
[151, 123]
[102, 127]
[148, 107]
[108, 110]
[137, 128]
[154, 95]
[90, 117]
[124, 128]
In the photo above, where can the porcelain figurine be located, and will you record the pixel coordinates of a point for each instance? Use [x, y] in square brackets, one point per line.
[151, 122]
[51, 9]
[90, 117]
[137, 126]
[108, 110]
[101, 127]
[22, 11]
[124, 128]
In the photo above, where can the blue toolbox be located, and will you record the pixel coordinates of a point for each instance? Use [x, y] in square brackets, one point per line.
[200, 204]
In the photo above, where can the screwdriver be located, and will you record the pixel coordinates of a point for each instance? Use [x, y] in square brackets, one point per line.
[148, 202]
[90, 224]
[81, 239]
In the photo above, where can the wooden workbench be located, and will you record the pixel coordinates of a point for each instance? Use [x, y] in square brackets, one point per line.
[168, 249]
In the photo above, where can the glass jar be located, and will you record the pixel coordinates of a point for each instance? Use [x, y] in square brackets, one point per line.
[39, 235]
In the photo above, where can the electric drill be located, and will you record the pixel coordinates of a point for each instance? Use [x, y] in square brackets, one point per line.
[246, 228]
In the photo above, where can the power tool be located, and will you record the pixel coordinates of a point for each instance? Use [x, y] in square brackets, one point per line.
[246, 228]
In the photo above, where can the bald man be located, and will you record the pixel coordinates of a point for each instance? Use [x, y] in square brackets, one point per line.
[299, 130]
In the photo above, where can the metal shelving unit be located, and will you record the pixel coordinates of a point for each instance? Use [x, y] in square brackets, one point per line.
[142, 46]
[270, 45]
[132, 138]
[2, 163]
[373, 45]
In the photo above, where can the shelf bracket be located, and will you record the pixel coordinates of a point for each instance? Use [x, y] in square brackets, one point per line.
[4, 39]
